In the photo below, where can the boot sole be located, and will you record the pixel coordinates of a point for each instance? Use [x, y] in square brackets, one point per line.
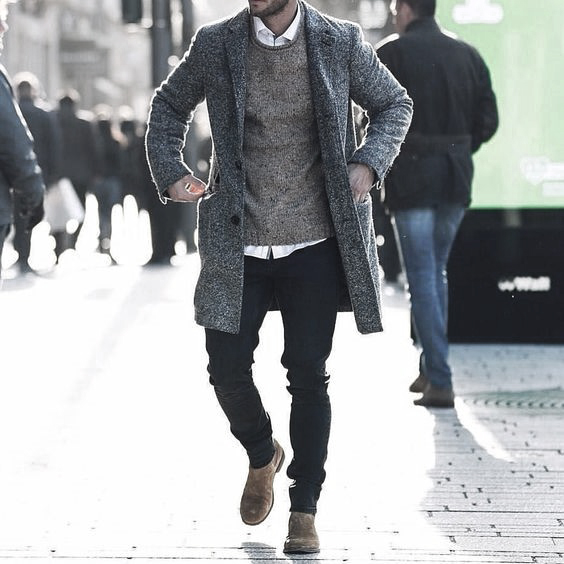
[443, 405]
[295, 548]
[301, 550]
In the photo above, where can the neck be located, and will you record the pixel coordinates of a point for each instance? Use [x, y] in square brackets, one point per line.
[404, 17]
[278, 23]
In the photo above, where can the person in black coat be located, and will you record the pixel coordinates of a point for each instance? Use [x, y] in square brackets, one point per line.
[165, 220]
[429, 185]
[108, 186]
[20, 175]
[80, 161]
[133, 153]
[47, 144]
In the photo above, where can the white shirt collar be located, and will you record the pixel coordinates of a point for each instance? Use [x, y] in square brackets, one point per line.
[261, 31]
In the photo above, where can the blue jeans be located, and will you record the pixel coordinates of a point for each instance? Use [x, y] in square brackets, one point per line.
[425, 237]
[305, 286]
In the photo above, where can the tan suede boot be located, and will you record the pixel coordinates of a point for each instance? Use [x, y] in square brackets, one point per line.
[258, 495]
[302, 537]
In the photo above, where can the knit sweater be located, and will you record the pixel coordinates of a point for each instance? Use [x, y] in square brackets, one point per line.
[285, 199]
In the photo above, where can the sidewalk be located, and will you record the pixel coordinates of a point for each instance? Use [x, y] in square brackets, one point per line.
[113, 447]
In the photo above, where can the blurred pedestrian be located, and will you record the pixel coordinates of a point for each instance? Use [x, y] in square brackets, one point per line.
[285, 220]
[164, 221]
[20, 174]
[46, 134]
[429, 186]
[133, 150]
[80, 161]
[107, 188]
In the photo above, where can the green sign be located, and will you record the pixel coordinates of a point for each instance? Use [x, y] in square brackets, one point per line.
[522, 42]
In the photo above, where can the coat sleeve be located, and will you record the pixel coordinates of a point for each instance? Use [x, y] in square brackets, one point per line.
[172, 109]
[486, 119]
[18, 163]
[386, 103]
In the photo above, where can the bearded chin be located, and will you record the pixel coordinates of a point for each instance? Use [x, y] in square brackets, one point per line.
[272, 10]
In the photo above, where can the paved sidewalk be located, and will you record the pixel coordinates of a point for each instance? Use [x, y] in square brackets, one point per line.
[113, 447]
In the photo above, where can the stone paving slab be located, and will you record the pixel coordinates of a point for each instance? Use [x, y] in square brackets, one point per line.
[257, 554]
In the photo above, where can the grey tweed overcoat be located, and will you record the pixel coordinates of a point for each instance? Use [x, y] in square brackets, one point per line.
[343, 69]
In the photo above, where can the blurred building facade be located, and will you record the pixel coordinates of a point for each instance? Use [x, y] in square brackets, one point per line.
[372, 15]
[83, 44]
[80, 44]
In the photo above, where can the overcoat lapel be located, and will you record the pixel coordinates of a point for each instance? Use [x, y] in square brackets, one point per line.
[236, 42]
[321, 44]
[320, 41]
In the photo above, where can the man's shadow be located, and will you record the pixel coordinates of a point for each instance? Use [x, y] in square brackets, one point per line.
[471, 465]
[259, 553]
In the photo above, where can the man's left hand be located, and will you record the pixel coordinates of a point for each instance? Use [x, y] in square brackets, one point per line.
[361, 179]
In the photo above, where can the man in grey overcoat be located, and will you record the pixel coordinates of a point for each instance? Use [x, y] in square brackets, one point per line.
[285, 219]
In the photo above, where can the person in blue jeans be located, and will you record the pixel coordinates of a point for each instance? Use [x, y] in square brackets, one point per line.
[425, 237]
[429, 186]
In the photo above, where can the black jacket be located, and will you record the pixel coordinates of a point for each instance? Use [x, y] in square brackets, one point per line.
[454, 112]
[46, 133]
[19, 170]
[80, 156]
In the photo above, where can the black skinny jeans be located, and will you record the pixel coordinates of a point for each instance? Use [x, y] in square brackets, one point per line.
[305, 285]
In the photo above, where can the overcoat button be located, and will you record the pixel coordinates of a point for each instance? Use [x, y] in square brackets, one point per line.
[235, 219]
[238, 164]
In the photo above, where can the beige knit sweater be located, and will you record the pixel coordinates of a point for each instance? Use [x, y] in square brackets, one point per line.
[285, 200]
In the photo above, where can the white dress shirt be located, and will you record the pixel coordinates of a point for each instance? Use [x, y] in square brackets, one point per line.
[266, 37]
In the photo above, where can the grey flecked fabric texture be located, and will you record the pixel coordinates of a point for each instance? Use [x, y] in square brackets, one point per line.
[342, 68]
